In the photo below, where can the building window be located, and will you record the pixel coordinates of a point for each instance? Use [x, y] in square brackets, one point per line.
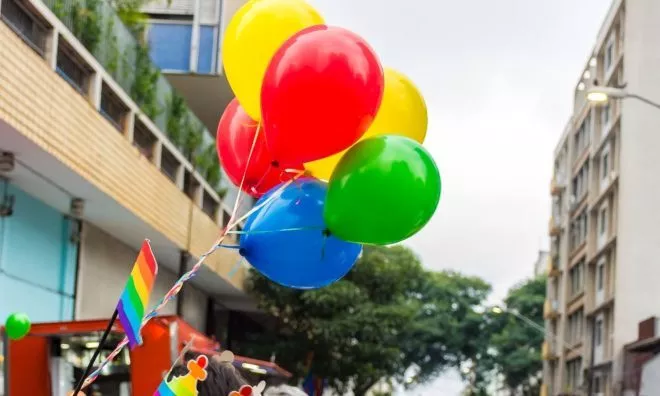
[603, 221]
[574, 374]
[605, 115]
[583, 136]
[581, 182]
[112, 108]
[207, 49]
[597, 385]
[169, 164]
[225, 218]
[600, 276]
[25, 24]
[576, 276]
[72, 68]
[169, 45]
[605, 165]
[608, 57]
[209, 205]
[190, 185]
[143, 139]
[599, 332]
[578, 230]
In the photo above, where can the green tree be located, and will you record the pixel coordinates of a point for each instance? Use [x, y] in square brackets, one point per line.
[514, 345]
[387, 316]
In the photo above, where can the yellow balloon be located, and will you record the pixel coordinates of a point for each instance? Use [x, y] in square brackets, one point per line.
[402, 112]
[255, 33]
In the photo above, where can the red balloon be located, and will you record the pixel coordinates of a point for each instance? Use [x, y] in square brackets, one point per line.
[320, 93]
[234, 140]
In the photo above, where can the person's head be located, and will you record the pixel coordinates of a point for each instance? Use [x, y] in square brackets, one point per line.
[222, 377]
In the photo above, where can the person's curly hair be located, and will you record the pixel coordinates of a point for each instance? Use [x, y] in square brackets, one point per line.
[221, 380]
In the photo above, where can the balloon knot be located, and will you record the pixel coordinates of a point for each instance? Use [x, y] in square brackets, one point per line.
[242, 252]
[326, 233]
[275, 164]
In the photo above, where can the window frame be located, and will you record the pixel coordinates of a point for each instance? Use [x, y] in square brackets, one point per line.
[172, 22]
[605, 164]
[603, 220]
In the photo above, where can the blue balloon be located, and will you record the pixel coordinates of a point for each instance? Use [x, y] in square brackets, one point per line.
[287, 239]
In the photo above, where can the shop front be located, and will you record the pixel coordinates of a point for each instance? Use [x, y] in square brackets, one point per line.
[52, 358]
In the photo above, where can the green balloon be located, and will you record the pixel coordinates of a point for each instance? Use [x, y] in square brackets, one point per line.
[384, 190]
[17, 326]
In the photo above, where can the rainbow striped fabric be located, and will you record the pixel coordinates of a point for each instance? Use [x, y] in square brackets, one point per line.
[135, 297]
[185, 385]
[313, 385]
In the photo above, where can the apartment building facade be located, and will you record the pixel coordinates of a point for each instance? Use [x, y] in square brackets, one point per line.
[87, 172]
[604, 226]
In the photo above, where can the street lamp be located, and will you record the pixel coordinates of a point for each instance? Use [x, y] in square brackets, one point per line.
[529, 321]
[598, 94]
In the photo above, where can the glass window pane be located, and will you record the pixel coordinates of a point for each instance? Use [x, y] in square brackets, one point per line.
[169, 46]
[207, 50]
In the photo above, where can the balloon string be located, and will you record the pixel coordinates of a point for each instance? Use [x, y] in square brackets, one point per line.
[273, 231]
[247, 165]
[178, 285]
[171, 294]
[229, 246]
[235, 268]
[255, 187]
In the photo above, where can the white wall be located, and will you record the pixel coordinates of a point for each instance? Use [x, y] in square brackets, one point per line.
[650, 377]
[105, 264]
[195, 304]
[638, 239]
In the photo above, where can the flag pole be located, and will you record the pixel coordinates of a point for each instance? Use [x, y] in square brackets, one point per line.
[90, 365]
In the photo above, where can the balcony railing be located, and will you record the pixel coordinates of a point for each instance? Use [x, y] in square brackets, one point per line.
[548, 351]
[554, 226]
[87, 44]
[551, 309]
[97, 26]
[553, 266]
[558, 184]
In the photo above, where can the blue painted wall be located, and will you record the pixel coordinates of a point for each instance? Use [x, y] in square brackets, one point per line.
[37, 261]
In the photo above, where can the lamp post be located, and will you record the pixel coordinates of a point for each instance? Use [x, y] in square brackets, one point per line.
[541, 329]
[598, 94]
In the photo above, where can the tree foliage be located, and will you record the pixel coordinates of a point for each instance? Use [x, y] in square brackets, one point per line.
[514, 342]
[387, 318]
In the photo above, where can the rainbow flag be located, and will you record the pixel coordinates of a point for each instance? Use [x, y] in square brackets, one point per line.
[185, 385]
[135, 297]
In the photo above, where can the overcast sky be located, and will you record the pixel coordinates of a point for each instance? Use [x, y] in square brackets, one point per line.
[498, 77]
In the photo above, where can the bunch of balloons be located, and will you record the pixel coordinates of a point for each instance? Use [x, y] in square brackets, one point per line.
[314, 99]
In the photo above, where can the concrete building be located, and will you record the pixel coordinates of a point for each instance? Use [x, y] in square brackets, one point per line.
[87, 173]
[604, 226]
[185, 39]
